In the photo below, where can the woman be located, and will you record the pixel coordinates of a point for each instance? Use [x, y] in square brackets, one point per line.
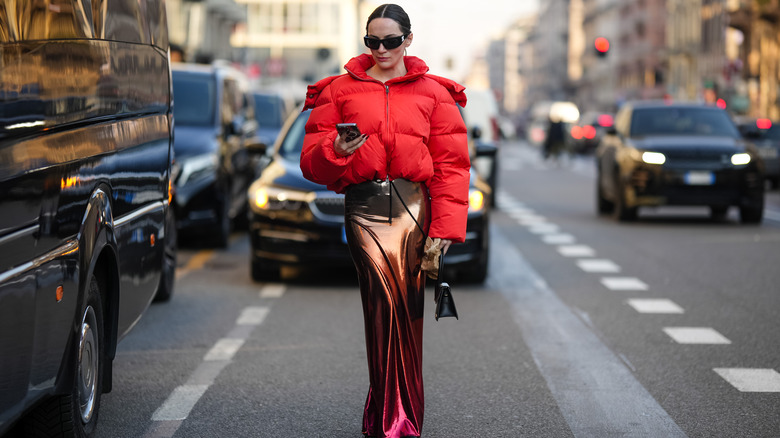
[408, 171]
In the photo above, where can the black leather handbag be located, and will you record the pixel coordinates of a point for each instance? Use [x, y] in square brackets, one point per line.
[445, 304]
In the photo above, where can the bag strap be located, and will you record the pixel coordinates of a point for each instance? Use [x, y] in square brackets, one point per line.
[441, 268]
[425, 235]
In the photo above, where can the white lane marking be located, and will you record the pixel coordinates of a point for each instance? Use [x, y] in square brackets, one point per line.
[517, 209]
[576, 251]
[598, 265]
[696, 335]
[595, 391]
[183, 399]
[751, 379]
[655, 305]
[543, 228]
[252, 316]
[272, 290]
[180, 403]
[623, 283]
[224, 349]
[558, 239]
[531, 219]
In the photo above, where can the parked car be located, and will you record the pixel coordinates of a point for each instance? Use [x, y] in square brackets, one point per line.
[215, 131]
[586, 133]
[271, 110]
[295, 222]
[765, 134]
[87, 238]
[483, 152]
[662, 153]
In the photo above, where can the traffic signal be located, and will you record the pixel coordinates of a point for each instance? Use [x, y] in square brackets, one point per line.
[601, 45]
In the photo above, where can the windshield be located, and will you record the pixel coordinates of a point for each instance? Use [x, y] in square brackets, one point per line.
[682, 121]
[193, 99]
[772, 133]
[292, 144]
[269, 111]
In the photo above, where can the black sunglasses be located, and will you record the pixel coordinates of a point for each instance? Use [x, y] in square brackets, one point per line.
[389, 43]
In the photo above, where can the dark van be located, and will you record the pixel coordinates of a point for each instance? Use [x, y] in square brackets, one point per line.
[85, 219]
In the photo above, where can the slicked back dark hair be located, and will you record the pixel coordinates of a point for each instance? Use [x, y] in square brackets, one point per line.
[393, 12]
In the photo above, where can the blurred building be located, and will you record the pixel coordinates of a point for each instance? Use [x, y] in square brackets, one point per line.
[549, 78]
[641, 39]
[597, 87]
[509, 58]
[203, 28]
[307, 39]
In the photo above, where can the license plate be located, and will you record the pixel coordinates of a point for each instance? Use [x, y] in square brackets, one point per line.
[767, 153]
[699, 178]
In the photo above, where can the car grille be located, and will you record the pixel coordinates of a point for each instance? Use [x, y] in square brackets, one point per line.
[329, 206]
[682, 158]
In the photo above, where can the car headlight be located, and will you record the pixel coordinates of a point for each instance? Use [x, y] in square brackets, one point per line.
[269, 198]
[476, 200]
[740, 159]
[197, 166]
[653, 158]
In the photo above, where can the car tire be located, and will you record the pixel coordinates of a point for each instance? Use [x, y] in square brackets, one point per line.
[603, 206]
[475, 274]
[718, 213]
[622, 212]
[222, 230]
[168, 275]
[263, 272]
[76, 414]
[751, 214]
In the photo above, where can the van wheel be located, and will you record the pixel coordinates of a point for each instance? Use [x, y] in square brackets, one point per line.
[76, 414]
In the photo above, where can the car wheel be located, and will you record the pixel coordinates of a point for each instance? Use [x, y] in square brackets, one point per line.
[622, 212]
[168, 275]
[221, 236]
[718, 213]
[76, 414]
[751, 214]
[475, 274]
[602, 204]
[263, 272]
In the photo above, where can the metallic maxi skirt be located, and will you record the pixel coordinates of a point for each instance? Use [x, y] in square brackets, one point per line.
[386, 247]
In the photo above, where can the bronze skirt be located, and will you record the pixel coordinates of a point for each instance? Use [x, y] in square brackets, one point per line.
[386, 247]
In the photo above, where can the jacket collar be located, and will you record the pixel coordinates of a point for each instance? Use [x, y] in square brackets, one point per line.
[357, 67]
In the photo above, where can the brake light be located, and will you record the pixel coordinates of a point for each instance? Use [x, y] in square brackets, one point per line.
[576, 132]
[589, 132]
[605, 120]
[763, 123]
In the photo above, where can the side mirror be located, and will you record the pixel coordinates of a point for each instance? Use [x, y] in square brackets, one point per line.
[255, 146]
[486, 150]
[476, 133]
[611, 131]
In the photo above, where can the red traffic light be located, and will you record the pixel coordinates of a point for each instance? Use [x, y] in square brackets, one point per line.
[601, 44]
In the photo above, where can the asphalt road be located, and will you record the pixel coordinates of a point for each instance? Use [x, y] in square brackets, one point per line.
[586, 327]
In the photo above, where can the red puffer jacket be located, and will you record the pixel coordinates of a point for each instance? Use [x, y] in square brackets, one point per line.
[415, 132]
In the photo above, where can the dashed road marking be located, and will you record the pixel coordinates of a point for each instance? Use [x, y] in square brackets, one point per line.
[272, 291]
[623, 283]
[576, 251]
[598, 265]
[543, 228]
[751, 379]
[655, 305]
[558, 239]
[696, 335]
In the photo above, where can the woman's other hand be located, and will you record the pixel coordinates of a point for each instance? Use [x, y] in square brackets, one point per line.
[445, 245]
[344, 148]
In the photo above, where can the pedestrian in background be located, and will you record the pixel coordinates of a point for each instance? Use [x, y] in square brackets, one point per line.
[406, 175]
[554, 142]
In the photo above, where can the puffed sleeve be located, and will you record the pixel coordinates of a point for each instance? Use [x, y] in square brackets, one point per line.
[449, 186]
[319, 161]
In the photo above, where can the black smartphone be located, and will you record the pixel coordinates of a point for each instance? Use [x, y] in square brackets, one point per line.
[348, 131]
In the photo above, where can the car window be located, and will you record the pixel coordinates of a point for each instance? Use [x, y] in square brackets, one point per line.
[194, 98]
[682, 121]
[292, 145]
[269, 111]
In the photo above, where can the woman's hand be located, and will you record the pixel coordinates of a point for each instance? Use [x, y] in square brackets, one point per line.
[344, 149]
[445, 245]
